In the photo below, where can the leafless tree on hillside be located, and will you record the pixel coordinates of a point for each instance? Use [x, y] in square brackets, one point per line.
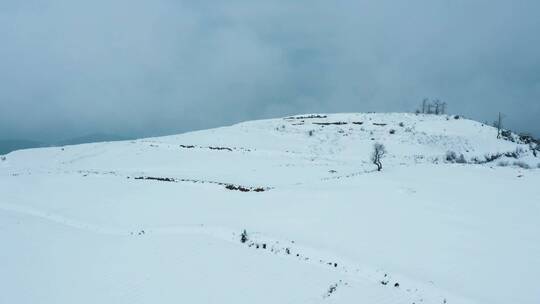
[378, 153]
[499, 125]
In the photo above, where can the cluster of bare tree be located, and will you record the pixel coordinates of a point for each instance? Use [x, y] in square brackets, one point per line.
[436, 107]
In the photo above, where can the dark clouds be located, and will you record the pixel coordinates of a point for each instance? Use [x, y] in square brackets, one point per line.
[140, 68]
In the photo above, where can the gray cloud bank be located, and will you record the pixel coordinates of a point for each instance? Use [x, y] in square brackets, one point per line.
[138, 68]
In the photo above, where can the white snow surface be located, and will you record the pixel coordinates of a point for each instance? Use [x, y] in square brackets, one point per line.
[78, 225]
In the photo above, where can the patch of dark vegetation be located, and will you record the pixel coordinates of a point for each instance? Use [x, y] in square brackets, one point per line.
[357, 122]
[526, 138]
[215, 148]
[392, 131]
[307, 117]
[452, 157]
[514, 154]
[245, 189]
[161, 179]
[337, 123]
[509, 136]
[492, 157]
[227, 185]
[379, 124]
[220, 148]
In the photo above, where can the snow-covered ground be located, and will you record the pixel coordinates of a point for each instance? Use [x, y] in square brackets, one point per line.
[152, 220]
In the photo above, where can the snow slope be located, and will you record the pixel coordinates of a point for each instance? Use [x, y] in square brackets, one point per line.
[152, 220]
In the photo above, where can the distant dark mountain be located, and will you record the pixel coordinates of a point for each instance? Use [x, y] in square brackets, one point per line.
[9, 145]
[91, 138]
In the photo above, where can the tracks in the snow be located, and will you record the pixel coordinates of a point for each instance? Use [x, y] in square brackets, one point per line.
[351, 274]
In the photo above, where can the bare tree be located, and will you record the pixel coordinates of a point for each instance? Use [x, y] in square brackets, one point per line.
[378, 153]
[437, 105]
[430, 108]
[424, 104]
[443, 108]
[499, 125]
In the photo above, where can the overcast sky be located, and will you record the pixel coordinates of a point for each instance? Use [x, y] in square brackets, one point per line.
[139, 68]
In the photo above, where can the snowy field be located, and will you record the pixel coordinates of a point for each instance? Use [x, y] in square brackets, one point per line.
[159, 220]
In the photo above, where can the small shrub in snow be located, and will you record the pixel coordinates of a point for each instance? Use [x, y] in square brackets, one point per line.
[538, 166]
[3, 158]
[244, 237]
[456, 117]
[511, 154]
[461, 159]
[475, 160]
[451, 156]
[506, 135]
[331, 290]
[401, 124]
[492, 157]
[526, 138]
[521, 164]
[311, 132]
[392, 131]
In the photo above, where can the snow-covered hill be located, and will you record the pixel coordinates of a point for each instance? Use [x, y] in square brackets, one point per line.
[159, 219]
